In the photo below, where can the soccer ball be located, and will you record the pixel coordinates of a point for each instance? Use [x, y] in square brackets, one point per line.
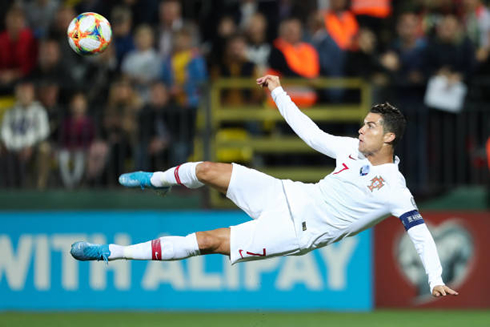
[89, 33]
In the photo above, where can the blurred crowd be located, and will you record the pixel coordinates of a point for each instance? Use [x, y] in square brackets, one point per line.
[84, 120]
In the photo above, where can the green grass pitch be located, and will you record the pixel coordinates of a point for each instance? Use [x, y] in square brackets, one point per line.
[378, 318]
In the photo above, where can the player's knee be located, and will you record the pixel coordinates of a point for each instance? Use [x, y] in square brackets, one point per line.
[205, 171]
[208, 242]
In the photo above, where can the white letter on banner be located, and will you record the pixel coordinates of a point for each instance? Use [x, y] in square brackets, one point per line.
[69, 266]
[231, 274]
[302, 270]
[15, 266]
[42, 263]
[158, 272]
[199, 279]
[336, 259]
[254, 269]
[121, 268]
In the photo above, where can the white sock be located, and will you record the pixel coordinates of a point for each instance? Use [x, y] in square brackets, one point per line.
[184, 174]
[163, 248]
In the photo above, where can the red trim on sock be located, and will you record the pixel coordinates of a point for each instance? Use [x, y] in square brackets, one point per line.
[176, 174]
[156, 250]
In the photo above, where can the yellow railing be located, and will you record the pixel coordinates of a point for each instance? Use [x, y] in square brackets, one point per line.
[236, 144]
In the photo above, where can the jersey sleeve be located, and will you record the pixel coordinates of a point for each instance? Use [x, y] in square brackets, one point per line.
[308, 131]
[404, 207]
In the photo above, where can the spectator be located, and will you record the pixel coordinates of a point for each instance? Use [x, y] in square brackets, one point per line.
[48, 95]
[184, 71]
[341, 24]
[101, 71]
[476, 17]
[290, 57]
[18, 49]
[122, 38]
[120, 128]
[372, 14]
[404, 61]
[236, 64]
[153, 131]
[215, 49]
[40, 14]
[76, 136]
[57, 31]
[25, 128]
[142, 65]
[450, 52]
[170, 22]
[258, 49]
[51, 67]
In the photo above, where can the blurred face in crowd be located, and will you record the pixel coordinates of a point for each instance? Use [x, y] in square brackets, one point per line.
[121, 22]
[159, 95]
[144, 38]
[236, 48]
[14, 22]
[182, 41]
[226, 27]
[448, 29]
[407, 27]
[49, 53]
[24, 93]
[48, 95]
[78, 105]
[290, 31]
[256, 28]
[169, 12]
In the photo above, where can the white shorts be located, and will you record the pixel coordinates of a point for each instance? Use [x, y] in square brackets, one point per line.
[272, 232]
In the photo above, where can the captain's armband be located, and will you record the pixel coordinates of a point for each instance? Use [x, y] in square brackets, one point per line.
[411, 219]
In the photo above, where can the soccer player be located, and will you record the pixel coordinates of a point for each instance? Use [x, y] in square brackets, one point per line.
[293, 218]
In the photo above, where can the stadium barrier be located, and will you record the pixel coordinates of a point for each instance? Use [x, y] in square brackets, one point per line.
[38, 273]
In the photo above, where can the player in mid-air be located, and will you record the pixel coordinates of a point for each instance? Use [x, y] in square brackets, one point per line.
[293, 218]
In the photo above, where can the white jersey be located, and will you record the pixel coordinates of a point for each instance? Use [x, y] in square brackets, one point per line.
[354, 197]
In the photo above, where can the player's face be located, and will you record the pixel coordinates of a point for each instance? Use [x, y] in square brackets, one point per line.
[371, 134]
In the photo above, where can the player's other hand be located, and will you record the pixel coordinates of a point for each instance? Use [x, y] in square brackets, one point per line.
[269, 81]
[443, 290]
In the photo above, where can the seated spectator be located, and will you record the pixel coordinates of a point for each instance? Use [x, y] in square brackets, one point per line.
[142, 65]
[48, 94]
[76, 136]
[214, 49]
[258, 49]
[25, 128]
[122, 38]
[18, 49]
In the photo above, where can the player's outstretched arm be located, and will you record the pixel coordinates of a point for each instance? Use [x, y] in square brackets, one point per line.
[301, 124]
[443, 290]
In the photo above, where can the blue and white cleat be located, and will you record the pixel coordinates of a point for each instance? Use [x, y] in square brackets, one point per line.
[85, 251]
[142, 179]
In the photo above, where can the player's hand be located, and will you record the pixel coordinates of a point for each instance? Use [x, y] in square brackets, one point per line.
[269, 81]
[443, 290]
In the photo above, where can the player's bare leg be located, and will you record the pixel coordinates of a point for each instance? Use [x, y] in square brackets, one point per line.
[163, 248]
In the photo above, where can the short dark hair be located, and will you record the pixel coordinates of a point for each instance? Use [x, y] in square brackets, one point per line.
[392, 119]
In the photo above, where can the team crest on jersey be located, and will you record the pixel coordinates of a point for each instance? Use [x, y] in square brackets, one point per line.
[376, 183]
